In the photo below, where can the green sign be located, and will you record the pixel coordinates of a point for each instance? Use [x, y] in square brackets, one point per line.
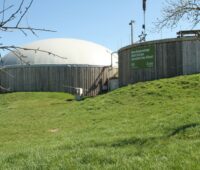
[142, 57]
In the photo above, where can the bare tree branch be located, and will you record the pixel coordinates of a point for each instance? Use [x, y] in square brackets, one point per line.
[22, 16]
[15, 48]
[11, 19]
[3, 89]
[175, 11]
[12, 16]
[2, 70]
[5, 9]
[17, 16]
[31, 29]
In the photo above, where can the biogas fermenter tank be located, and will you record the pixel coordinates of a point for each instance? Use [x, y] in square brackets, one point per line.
[81, 64]
[159, 59]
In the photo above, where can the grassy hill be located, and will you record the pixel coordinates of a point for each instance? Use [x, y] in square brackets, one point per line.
[152, 125]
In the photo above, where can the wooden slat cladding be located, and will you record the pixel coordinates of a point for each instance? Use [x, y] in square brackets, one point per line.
[56, 78]
[173, 57]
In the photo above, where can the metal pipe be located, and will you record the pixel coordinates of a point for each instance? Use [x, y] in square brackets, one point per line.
[131, 24]
[115, 52]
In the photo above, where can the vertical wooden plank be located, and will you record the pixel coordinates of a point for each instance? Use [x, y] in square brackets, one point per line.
[198, 55]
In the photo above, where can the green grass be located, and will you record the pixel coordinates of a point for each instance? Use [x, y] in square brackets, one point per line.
[152, 125]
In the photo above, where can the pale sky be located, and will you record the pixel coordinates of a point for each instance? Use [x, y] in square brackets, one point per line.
[105, 22]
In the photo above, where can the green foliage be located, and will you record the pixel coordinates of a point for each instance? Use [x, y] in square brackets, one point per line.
[151, 125]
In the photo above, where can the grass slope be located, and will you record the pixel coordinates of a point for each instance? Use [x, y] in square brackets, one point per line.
[152, 125]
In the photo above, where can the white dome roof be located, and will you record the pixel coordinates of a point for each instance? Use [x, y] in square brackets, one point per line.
[74, 51]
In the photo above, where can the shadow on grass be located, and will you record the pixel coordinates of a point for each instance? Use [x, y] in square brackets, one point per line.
[134, 141]
[128, 142]
[183, 128]
[70, 100]
[140, 142]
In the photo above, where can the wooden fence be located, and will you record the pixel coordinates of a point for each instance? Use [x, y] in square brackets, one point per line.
[56, 78]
